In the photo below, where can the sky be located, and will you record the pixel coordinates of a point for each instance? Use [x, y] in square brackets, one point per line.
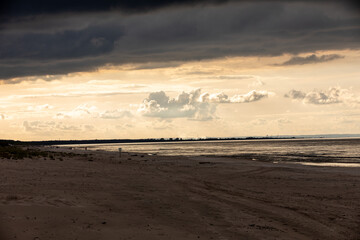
[150, 69]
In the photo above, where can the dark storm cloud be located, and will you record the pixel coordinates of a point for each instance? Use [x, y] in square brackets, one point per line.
[18, 8]
[310, 59]
[66, 43]
[90, 41]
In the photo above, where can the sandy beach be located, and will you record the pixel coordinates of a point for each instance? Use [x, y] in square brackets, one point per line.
[77, 194]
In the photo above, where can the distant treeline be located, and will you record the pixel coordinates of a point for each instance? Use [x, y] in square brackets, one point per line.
[9, 143]
[100, 141]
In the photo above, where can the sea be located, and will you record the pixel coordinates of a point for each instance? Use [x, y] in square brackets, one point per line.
[322, 151]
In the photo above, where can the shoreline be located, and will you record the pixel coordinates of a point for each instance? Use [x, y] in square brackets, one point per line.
[98, 195]
[87, 149]
[295, 151]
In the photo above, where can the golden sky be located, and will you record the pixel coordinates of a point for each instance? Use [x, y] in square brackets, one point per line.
[180, 88]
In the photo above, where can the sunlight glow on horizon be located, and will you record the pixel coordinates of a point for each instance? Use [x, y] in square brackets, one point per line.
[105, 103]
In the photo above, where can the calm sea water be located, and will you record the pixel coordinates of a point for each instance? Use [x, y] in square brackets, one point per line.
[295, 150]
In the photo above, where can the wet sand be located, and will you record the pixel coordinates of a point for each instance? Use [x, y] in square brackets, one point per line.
[99, 195]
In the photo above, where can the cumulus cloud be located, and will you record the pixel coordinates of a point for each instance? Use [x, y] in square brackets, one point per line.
[214, 98]
[116, 114]
[81, 111]
[193, 105]
[40, 107]
[233, 77]
[281, 121]
[331, 96]
[310, 59]
[186, 105]
[36, 126]
[52, 126]
[295, 94]
[88, 111]
[262, 122]
[251, 96]
[256, 83]
[259, 122]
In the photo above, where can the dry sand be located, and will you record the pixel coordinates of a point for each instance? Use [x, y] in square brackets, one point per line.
[152, 197]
